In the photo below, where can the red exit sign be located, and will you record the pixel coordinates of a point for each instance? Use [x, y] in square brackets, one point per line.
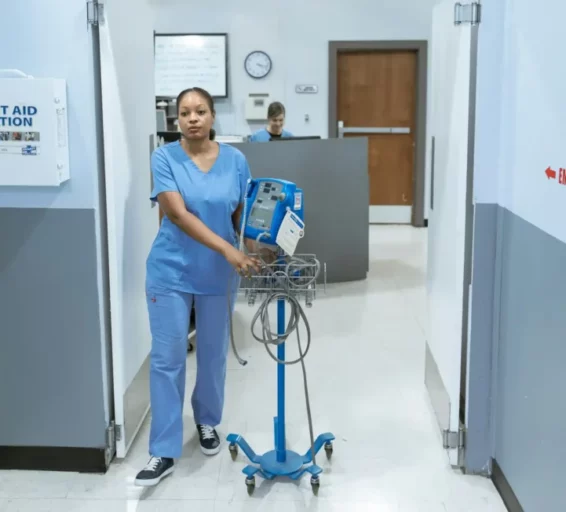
[551, 174]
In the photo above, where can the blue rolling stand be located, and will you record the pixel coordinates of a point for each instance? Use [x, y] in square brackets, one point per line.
[281, 461]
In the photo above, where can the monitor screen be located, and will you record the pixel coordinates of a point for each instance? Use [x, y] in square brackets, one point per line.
[169, 136]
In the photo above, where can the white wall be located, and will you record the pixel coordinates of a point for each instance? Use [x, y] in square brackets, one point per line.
[488, 106]
[55, 42]
[521, 111]
[533, 112]
[296, 34]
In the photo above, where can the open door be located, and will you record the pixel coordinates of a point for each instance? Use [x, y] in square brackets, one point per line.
[128, 104]
[454, 44]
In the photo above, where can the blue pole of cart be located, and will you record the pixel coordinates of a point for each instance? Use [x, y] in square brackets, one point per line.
[281, 445]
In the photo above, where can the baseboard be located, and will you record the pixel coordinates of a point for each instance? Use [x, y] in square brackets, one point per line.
[81, 460]
[392, 214]
[505, 489]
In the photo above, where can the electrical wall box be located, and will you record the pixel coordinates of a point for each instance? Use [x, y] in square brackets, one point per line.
[256, 107]
[34, 145]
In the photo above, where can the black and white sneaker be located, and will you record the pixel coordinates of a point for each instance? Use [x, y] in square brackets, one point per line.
[156, 470]
[209, 440]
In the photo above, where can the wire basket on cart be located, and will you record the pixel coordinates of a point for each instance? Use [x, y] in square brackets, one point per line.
[298, 275]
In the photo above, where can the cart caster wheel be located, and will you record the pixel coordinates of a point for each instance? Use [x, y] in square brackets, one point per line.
[191, 347]
[315, 484]
[250, 484]
[234, 451]
[329, 449]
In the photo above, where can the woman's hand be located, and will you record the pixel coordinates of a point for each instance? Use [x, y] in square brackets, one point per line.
[241, 262]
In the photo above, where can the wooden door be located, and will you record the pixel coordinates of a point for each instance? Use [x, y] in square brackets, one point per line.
[377, 93]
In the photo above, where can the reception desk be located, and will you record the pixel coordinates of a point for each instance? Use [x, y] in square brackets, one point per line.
[334, 176]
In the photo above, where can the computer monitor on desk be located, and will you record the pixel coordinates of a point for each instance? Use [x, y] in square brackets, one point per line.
[305, 137]
[169, 136]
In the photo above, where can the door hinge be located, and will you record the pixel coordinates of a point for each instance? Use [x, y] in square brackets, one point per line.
[110, 443]
[454, 440]
[467, 13]
[95, 13]
[113, 434]
[119, 431]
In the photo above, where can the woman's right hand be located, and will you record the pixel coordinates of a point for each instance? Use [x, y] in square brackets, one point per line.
[242, 262]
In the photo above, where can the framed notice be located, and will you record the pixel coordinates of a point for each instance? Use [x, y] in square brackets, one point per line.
[191, 60]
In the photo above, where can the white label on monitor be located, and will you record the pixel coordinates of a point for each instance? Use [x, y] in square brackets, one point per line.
[298, 200]
[291, 231]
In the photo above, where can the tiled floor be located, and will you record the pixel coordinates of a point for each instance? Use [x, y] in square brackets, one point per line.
[366, 379]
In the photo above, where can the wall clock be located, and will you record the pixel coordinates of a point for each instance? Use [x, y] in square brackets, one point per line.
[258, 64]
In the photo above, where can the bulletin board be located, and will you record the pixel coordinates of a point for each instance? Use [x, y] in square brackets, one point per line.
[191, 60]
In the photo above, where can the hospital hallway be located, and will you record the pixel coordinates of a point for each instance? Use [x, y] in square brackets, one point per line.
[366, 373]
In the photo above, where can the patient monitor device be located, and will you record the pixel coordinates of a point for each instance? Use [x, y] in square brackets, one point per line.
[274, 213]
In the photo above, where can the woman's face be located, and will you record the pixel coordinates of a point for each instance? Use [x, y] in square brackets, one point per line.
[195, 117]
[276, 124]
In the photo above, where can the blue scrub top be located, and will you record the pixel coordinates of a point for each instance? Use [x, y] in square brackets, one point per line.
[264, 136]
[177, 261]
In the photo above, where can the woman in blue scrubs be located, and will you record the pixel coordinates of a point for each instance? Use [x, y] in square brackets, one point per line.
[275, 123]
[200, 186]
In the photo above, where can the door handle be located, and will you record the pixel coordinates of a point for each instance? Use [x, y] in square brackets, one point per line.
[432, 155]
[372, 130]
[377, 129]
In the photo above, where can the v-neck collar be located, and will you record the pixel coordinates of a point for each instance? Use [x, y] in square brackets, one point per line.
[195, 166]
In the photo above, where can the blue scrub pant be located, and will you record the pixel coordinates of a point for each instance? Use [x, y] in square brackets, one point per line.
[169, 316]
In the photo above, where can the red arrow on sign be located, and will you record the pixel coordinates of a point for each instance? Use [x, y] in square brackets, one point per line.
[550, 173]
